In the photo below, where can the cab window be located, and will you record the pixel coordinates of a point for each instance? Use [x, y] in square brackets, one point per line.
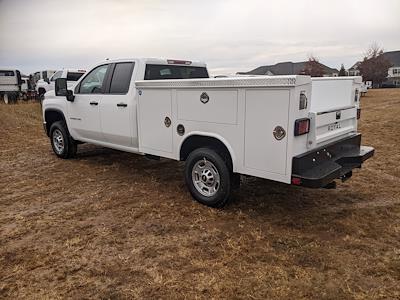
[94, 81]
[121, 78]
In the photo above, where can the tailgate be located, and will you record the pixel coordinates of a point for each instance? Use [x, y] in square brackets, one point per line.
[329, 126]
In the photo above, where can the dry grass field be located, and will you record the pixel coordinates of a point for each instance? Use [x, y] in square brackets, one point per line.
[113, 225]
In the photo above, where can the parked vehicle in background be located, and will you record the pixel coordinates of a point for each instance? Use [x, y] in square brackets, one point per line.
[363, 89]
[25, 87]
[10, 85]
[45, 85]
[272, 127]
[41, 75]
[368, 84]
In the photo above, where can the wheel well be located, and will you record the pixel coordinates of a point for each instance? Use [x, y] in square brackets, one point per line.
[198, 141]
[52, 116]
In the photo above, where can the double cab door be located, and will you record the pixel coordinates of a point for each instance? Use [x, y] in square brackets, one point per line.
[103, 109]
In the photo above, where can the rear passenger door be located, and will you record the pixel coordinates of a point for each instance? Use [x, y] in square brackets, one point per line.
[117, 107]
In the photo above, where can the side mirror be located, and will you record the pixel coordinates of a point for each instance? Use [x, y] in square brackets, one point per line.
[61, 87]
[47, 80]
[62, 90]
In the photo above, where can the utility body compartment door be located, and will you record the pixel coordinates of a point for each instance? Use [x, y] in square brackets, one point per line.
[155, 122]
[265, 111]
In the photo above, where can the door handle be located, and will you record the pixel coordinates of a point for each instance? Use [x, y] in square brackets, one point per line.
[94, 103]
[122, 105]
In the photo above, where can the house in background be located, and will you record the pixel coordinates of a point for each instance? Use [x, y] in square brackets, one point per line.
[288, 68]
[354, 71]
[393, 79]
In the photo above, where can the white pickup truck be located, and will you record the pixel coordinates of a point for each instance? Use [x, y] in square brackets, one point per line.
[263, 126]
[45, 85]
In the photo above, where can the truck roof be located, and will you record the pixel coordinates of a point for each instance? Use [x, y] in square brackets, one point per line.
[161, 61]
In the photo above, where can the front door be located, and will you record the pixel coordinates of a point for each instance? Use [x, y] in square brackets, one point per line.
[84, 113]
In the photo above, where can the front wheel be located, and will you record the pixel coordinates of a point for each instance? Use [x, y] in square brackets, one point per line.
[61, 142]
[208, 177]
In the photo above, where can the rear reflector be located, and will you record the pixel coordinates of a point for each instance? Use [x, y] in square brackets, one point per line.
[358, 113]
[296, 181]
[301, 126]
[179, 62]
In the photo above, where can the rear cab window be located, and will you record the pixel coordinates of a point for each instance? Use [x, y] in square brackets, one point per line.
[159, 72]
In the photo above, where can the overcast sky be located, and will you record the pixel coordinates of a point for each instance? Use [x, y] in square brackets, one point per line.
[230, 35]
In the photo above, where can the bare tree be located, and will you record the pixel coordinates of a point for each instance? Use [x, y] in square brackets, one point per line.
[374, 66]
[313, 67]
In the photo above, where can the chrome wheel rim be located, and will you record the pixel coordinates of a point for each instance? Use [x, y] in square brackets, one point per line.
[58, 141]
[205, 177]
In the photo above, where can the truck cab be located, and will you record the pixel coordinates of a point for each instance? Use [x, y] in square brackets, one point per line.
[272, 127]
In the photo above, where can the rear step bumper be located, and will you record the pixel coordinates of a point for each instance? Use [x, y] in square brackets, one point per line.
[320, 167]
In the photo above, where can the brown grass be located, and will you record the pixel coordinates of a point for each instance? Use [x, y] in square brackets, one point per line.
[114, 225]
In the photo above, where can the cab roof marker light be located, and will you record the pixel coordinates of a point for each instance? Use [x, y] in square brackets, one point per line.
[179, 62]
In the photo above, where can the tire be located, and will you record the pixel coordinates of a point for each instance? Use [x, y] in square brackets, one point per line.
[208, 177]
[41, 97]
[62, 143]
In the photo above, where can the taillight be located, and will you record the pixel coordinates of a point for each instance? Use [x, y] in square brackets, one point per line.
[358, 113]
[296, 181]
[301, 126]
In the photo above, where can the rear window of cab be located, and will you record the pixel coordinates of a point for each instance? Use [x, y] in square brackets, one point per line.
[159, 72]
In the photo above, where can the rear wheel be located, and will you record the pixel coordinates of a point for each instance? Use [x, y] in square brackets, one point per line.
[208, 177]
[62, 143]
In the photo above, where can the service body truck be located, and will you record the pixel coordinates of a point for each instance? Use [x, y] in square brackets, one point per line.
[261, 126]
[10, 85]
